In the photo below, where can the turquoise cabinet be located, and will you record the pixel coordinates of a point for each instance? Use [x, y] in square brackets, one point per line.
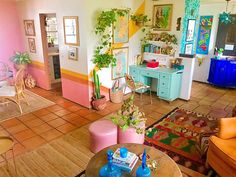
[168, 80]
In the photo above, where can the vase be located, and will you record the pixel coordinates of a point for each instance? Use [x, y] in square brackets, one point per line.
[20, 66]
[130, 135]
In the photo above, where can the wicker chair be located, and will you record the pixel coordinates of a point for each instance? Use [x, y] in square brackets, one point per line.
[14, 93]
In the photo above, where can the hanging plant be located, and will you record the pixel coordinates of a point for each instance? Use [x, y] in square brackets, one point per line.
[103, 56]
[140, 19]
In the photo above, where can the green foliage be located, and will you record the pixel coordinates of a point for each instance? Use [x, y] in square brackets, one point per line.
[21, 58]
[141, 18]
[97, 85]
[168, 38]
[129, 116]
[103, 56]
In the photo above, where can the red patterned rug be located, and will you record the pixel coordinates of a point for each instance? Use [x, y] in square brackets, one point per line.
[183, 136]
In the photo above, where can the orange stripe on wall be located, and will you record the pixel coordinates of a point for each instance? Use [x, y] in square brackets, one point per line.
[37, 64]
[80, 78]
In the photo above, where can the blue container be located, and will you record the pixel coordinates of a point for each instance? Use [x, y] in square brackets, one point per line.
[143, 170]
[109, 170]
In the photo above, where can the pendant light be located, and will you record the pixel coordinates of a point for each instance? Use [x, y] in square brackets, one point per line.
[226, 17]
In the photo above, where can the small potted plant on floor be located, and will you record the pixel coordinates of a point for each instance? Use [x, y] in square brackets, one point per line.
[131, 123]
[140, 19]
[21, 60]
[98, 100]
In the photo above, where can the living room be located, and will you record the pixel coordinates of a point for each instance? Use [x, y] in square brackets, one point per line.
[79, 77]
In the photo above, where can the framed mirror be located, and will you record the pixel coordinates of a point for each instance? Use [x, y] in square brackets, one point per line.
[71, 30]
[190, 30]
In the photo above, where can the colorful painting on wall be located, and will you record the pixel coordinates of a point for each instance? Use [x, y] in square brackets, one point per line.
[162, 15]
[121, 55]
[204, 35]
[121, 29]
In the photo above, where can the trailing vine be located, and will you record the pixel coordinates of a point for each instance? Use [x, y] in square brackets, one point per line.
[103, 56]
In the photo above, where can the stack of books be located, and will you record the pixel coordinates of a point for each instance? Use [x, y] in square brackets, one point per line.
[127, 163]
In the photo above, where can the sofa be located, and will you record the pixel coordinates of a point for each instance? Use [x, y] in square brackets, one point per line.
[221, 154]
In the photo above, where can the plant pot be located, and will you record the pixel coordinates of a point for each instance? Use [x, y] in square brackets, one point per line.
[130, 136]
[99, 104]
[20, 66]
[139, 23]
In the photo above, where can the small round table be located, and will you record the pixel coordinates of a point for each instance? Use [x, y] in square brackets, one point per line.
[166, 166]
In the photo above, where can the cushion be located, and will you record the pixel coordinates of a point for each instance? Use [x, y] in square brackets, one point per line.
[224, 149]
[7, 91]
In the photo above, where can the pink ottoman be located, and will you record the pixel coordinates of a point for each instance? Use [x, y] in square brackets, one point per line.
[103, 133]
[130, 136]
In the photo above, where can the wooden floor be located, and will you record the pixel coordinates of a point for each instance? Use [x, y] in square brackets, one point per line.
[69, 154]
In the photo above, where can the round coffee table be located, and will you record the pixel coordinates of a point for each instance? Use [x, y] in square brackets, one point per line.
[166, 166]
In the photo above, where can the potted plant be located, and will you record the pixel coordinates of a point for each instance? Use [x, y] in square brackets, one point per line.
[21, 60]
[140, 19]
[131, 122]
[98, 100]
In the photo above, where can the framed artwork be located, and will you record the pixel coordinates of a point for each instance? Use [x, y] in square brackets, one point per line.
[162, 16]
[188, 49]
[121, 68]
[190, 30]
[73, 53]
[29, 27]
[32, 46]
[121, 29]
[204, 34]
[71, 30]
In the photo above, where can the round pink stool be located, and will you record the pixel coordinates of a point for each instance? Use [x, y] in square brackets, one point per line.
[103, 133]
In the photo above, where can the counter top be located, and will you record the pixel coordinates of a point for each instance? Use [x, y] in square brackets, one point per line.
[53, 54]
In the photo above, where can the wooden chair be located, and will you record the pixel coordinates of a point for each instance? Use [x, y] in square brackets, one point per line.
[6, 145]
[137, 86]
[14, 93]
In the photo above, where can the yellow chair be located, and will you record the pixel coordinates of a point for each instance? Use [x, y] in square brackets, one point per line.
[137, 86]
[221, 154]
[6, 145]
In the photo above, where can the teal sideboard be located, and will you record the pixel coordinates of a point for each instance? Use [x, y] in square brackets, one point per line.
[168, 80]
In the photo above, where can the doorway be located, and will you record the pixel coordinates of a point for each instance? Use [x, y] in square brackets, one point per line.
[49, 33]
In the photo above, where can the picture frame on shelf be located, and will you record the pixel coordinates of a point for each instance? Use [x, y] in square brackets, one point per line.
[73, 53]
[29, 27]
[120, 29]
[71, 30]
[190, 30]
[32, 45]
[188, 49]
[121, 68]
[162, 17]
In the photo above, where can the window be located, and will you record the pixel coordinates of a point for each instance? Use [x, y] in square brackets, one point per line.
[226, 37]
[51, 29]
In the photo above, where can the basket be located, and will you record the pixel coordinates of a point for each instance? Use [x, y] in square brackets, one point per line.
[116, 93]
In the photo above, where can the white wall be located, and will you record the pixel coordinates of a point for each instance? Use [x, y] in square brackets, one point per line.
[30, 9]
[178, 11]
[201, 72]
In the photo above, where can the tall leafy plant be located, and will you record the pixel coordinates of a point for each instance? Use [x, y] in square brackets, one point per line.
[103, 57]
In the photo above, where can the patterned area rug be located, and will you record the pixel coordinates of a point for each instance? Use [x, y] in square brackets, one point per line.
[179, 134]
[36, 102]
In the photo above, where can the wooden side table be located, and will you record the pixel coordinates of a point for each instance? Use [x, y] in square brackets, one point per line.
[166, 166]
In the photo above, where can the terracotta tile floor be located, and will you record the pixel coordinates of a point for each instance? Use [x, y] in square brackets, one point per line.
[34, 129]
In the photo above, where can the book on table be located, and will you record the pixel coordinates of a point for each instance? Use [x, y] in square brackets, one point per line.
[126, 163]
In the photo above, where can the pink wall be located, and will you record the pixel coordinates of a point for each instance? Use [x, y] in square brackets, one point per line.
[10, 33]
